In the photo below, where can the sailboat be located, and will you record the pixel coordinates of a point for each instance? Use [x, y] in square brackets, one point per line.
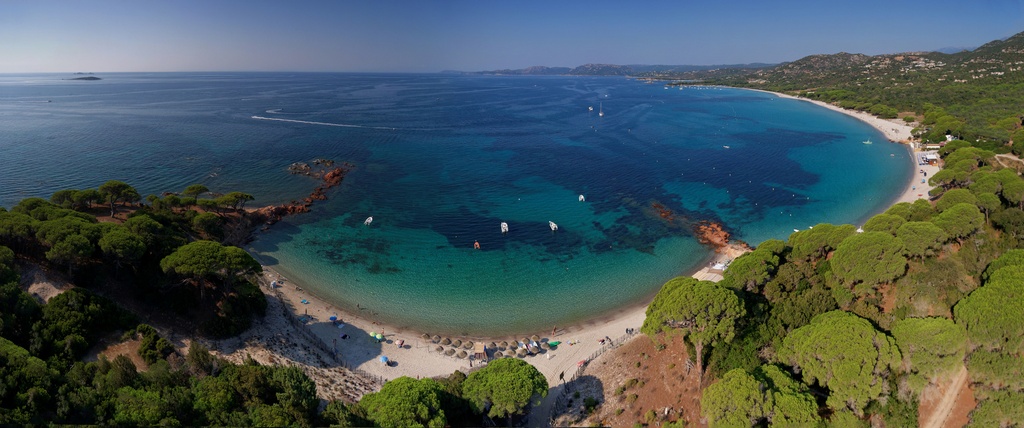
[553, 226]
[368, 220]
[600, 111]
[504, 228]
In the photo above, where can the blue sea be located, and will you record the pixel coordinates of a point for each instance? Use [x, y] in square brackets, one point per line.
[441, 160]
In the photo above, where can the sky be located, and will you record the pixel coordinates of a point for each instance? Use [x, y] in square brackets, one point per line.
[430, 36]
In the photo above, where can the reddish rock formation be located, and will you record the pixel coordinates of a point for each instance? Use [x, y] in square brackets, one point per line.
[330, 178]
[713, 234]
[665, 213]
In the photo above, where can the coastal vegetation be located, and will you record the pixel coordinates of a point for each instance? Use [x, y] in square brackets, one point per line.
[867, 319]
[833, 325]
[158, 258]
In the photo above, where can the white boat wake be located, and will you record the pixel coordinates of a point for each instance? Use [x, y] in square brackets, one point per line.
[308, 122]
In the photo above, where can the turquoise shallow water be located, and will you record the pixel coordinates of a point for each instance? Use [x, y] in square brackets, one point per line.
[442, 160]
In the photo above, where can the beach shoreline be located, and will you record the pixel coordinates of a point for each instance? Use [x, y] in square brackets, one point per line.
[355, 346]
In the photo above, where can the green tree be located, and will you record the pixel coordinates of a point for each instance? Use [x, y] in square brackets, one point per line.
[1014, 257]
[1011, 221]
[920, 238]
[195, 190]
[701, 311]
[406, 402]
[960, 221]
[868, 259]
[1002, 409]
[71, 251]
[115, 192]
[931, 347]
[887, 223]
[297, 393]
[122, 246]
[504, 387]
[814, 243]
[751, 271]
[199, 260]
[953, 197]
[844, 353]
[991, 314]
[737, 400]
[792, 403]
[209, 224]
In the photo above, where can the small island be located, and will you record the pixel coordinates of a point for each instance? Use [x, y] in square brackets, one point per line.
[86, 78]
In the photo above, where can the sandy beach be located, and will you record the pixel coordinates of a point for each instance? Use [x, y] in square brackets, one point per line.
[342, 352]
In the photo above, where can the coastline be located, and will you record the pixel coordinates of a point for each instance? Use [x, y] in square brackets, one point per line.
[418, 357]
[898, 132]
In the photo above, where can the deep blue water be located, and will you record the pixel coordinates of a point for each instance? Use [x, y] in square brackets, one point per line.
[440, 161]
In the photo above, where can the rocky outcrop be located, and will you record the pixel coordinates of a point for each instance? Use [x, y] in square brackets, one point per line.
[713, 234]
[329, 177]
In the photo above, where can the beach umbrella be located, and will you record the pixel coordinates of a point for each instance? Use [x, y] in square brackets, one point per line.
[493, 345]
[435, 338]
[535, 338]
[467, 345]
[333, 318]
[384, 359]
[462, 354]
[545, 345]
[449, 352]
[379, 337]
[498, 354]
[521, 353]
[439, 348]
[524, 341]
[373, 335]
[446, 341]
[504, 344]
[457, 343]
[425, 336]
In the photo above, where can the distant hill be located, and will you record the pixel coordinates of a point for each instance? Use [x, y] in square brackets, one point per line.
[86, 78]
[634, 70]
[981, 88]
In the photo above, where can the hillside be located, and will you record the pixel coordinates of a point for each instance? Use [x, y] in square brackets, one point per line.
[981, 89]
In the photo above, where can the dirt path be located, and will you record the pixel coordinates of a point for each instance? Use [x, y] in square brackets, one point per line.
[937, 418]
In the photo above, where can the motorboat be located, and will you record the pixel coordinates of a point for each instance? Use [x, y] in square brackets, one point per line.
[553, 226]
[368, 220]
[504, 228]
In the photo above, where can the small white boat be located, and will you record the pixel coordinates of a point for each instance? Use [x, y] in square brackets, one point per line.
[504, 228]
[553, 226]
[368, 220]
[725, 147]
[868, 141]
[600, 111]
[582, 199]
[591, 108]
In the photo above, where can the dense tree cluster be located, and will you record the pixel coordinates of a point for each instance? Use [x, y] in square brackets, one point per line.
[869, 318]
